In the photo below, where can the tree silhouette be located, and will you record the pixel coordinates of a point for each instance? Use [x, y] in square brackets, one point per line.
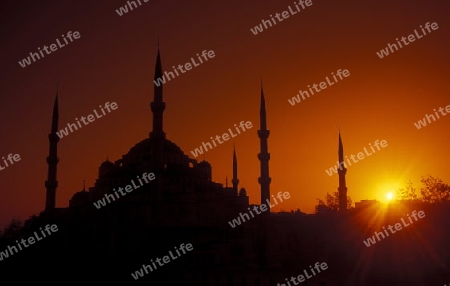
[331, 203]
[408, 193]
[13, 229]
[434, 190]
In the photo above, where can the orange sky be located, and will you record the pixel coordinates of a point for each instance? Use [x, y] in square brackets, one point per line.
[114, 61]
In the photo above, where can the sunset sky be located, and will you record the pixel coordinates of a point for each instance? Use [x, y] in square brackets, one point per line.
[114, 61]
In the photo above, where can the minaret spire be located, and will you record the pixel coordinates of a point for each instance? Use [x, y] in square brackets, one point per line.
[264, 180]
[158, 105]
[264, 156]
[158, 137]
[52, 160]
[342, 189]
[235, 179]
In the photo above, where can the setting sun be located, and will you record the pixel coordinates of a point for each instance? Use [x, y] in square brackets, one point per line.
[389, 196]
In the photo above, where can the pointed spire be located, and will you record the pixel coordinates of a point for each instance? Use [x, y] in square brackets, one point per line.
[51, 183]
[226, 182]
[264, 156]
[235, 179]
[262, 111]
[55, 116]
[158, 105]
[158, 66]
[263, 101]
[342, 171]
[341, 148]
[84, 185]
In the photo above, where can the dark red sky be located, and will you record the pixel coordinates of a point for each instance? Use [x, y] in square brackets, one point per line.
[114, 61]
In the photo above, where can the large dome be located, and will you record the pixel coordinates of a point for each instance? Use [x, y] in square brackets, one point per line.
[146, 145]
[144, 149]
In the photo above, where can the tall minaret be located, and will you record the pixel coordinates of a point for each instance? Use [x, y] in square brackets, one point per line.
[264, 155]
[158, 137]
[235, 180]
[342, 171]
[264, 180]
[158, 105]
[52, 160]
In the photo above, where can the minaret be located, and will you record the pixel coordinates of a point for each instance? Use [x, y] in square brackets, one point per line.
[264, 155]
[52, 160]
[158, 137]
[264, 180]
[342, 171]
[235, 180]
[158, 105]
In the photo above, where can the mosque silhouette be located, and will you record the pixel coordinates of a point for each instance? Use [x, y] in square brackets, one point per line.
[182, 206]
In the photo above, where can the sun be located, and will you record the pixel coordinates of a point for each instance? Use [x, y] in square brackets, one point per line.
[389, 196]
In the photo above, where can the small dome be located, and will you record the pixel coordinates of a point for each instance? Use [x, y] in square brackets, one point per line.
[204, 164]
[79, 199]
[205, 170]
[105, 168]
[107, 164]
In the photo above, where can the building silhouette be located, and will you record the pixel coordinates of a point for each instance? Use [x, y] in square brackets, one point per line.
[183, 196]
[182, 192]
[184, 205]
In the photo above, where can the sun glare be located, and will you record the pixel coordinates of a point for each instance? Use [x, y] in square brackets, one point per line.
[389, 196]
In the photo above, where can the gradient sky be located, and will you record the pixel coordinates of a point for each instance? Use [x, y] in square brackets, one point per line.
[114, 61]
